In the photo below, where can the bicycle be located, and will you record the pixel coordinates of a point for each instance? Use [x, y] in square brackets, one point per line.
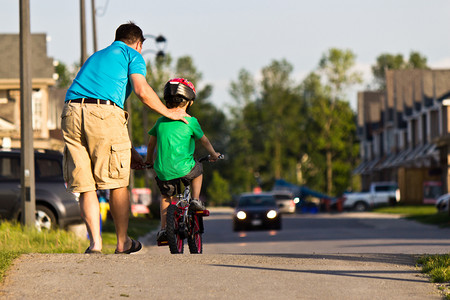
[183, 223]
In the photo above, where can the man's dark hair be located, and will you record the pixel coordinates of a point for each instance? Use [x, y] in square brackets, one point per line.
[129, 33]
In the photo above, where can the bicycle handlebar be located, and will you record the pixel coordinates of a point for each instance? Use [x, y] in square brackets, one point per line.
[206, 158]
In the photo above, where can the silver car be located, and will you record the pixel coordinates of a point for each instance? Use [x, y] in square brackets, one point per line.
[285, 201]
[442, 203]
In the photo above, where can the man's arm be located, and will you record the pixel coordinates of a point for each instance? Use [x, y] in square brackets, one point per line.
[148, 96]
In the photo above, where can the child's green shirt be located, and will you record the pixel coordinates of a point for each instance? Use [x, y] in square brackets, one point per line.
[175, 144]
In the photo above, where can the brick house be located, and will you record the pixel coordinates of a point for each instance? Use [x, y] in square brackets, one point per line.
[47, 101]
[405, 132]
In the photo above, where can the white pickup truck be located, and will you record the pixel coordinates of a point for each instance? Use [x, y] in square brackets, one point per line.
[380, 193]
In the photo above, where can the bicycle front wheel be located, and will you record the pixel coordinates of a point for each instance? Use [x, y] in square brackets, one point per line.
[174, 238]
[195, 240]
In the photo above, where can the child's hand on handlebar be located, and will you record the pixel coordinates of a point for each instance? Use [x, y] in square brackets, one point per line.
[214, 157]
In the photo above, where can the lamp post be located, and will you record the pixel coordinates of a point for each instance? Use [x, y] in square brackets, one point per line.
[160, 43]
[83, 32]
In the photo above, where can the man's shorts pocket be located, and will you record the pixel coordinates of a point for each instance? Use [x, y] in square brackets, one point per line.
[120, 160]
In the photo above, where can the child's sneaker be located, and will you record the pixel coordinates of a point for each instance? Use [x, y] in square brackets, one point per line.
[161, 236]
[196, 204]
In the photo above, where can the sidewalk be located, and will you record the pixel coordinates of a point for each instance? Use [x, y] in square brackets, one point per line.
[146, 275]
[153, 273]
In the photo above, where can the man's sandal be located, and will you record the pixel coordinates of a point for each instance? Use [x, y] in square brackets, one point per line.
[89, 251]
[135, 247]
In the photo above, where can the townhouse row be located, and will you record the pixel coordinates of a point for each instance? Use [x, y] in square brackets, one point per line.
[404, 133]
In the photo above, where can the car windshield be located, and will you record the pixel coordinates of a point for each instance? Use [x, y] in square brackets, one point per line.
[283, 197]
[255, 201]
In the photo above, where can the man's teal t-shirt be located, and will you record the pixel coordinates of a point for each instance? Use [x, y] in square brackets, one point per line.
[175, 142]
[105, 75]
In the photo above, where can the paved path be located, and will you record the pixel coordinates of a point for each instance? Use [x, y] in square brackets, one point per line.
[153, 273]
[150, 276]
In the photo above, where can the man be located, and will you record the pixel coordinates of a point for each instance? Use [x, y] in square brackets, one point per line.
[98, 151]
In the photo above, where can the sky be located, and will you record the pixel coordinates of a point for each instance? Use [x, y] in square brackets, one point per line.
[224, 37]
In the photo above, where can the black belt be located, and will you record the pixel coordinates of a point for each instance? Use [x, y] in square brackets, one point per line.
[92, 101]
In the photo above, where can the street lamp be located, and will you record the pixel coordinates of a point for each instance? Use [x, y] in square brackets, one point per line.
[160, 42]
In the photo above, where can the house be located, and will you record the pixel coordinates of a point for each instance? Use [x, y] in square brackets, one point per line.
[405, 132]
[47, 101]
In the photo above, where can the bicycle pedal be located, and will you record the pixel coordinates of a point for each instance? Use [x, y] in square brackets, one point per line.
[163, 243]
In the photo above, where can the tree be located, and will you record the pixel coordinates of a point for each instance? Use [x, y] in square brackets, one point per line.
[280, 108]
[218, 190]
[65, 77]
[341, 138]
[244, 92]
[266, 127]
[283, 130]
[336, 66]
[396, 62]
[416, 61]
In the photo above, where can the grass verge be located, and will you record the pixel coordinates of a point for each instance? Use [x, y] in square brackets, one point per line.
[426, 214]
[16, 239]
[437, 267]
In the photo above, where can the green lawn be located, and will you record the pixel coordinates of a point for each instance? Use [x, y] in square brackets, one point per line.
[426, 214]
[16, 240]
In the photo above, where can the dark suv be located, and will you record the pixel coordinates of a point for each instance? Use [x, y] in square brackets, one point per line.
[55, 207]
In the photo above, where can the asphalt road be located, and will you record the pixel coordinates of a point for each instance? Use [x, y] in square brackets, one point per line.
[329, 233]
[345, 256]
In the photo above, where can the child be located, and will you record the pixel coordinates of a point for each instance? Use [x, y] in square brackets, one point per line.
[175, 142]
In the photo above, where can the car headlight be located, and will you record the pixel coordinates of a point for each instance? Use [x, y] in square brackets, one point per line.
[271, 214]
[241, 215]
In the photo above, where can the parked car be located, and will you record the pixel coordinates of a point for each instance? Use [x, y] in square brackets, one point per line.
[442, 203]
[55, 207]
[379, 193]
[256, 211]
[285, 201]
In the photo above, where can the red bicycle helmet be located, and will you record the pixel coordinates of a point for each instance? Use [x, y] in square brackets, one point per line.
[179, 88]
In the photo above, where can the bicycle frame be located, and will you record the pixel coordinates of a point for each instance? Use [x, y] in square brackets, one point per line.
[183, 216]
[183, 223]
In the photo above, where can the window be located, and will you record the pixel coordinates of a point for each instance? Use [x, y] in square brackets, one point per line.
[257, 201]
[9, 168]
[385, 188]
[48, 169]
[37, 109]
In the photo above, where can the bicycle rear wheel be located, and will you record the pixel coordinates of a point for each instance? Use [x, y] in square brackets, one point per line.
[174, 238]
[195, 240]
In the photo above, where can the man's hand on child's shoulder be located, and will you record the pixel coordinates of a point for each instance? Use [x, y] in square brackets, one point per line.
[178, 114]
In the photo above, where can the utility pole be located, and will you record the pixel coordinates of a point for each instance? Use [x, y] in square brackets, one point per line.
[94, 27]
[27, 188]
[83, 32]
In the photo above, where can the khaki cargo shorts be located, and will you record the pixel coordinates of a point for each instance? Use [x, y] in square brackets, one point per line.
[97, 152]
